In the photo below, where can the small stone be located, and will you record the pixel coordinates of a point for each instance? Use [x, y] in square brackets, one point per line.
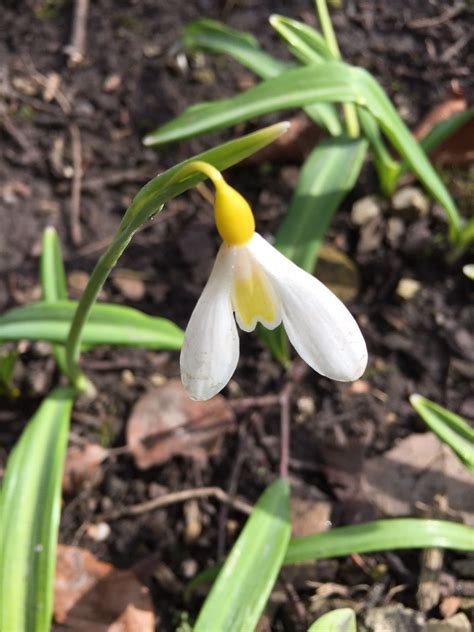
[111, 83]
[189, 568]
[157, 379]
[98, 532]
[458, 623]
[407, 288]
[365, 209]
[395, 231]
[411, 203]
[306, 406]
[130, 286]
[77, 281]
[393, 619]
[127, 377]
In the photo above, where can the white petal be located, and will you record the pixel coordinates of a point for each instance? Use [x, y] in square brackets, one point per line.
[211, 343]
[318, 324]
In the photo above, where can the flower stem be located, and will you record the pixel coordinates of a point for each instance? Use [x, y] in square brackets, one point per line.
[349, 110]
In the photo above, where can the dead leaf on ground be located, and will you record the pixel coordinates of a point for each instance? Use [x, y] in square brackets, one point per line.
[336, 270]
[416, 470]
[458, 148]
[83, 466]
[165, 422]
[93, 596]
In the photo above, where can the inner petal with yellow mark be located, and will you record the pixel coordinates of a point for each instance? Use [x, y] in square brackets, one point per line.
[253, 297]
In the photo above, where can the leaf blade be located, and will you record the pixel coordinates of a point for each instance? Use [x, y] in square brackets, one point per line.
[340, 620]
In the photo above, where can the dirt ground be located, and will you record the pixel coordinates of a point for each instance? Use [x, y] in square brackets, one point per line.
[56, 120]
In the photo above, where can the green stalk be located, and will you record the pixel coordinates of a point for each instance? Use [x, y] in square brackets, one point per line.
[349, 109]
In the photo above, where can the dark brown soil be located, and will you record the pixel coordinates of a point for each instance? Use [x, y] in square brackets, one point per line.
[134, 78]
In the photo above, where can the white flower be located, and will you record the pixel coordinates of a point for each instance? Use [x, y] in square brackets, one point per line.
[254, 281]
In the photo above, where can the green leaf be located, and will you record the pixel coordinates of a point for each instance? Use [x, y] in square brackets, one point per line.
[340, 620]
[209, 35]
[304, 42]
[216, 37]
[30, 507]
[108, 325]
[328, 82]
[327, 176]
[379, 535]
[450, 428]
[239, 595]
[53, 280]
[7, 367]
[444, 129]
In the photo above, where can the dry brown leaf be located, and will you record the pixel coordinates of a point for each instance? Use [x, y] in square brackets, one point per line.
[83, 466]
[338, 272]
[165, 422]
[416, 470]
[93, 596]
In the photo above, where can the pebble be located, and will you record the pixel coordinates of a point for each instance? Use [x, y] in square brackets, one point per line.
[411, 203]
[407, 288]
[99, 532]
[366, 209]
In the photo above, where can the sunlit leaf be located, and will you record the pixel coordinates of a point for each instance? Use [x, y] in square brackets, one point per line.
[340, 620]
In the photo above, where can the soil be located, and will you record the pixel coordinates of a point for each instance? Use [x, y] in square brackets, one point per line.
[135, 77]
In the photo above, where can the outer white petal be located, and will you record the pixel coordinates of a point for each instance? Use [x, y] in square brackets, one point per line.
[318, 324]
[211, 343]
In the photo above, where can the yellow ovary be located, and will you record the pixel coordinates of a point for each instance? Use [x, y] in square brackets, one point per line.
[233, 215]
[254, 299]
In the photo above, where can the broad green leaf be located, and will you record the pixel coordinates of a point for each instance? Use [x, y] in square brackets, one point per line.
[53, 280]
[209, 35]
[239, 595]
[30, 507]
[450, 428]
[328, 82]
[327, 176]
[379, 535]
[304, 42]
[108, 325]
[340, 620]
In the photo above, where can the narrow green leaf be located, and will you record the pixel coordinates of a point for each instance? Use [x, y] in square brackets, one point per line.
[444, 129]
[216, 37]
[328, 82]
[379, 535]
[450, 428]
[30, 507]
[107, 325]
[209, 35]
[239, 595]
[340, 620]
[304, 42]
[7, 367]
[53, 280]
[327, 176]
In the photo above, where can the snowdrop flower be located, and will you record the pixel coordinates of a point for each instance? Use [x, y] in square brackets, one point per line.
[254, 281]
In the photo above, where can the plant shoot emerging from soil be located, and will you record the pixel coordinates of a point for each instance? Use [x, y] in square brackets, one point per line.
[254, 281]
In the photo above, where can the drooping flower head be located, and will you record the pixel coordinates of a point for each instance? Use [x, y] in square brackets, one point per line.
[254, 281]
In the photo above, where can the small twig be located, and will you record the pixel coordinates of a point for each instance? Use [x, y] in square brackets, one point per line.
[437, 20]
[285, 397]
[173, 498]
[76, 233]
[456, 48]
[77, 47]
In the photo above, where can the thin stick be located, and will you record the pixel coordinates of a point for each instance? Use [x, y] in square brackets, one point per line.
[173, 498]
[76, 232]
[77, 47]
[285, 429]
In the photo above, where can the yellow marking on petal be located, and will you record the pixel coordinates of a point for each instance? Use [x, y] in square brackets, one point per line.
[233, 216]
[254, 300]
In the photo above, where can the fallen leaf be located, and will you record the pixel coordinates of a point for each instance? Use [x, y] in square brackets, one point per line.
[165, 422]
[83, 466]
[338, 272]
[440, 113]
[416, 470]
[93, 596]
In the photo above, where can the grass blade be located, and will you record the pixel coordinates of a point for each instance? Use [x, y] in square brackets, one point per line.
[241, 590]
[108, 325]
[216, 37]
[444, 129]
[340, 620]
[53, 280]
[449, 428]
[328, 82]
[30, 507]
[304, 42]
